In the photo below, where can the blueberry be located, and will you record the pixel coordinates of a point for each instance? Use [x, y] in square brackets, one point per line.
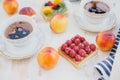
[99, 11]
[27, 32]
[103, 12]
[93, 10]
[18, 32]
[90, 9]
[58, 6]
[21, 36]
[17, 28]
[11, 36]
[46, 4]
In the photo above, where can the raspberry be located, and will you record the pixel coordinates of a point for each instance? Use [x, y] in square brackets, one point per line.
[77, 58]
[72, 53]
[86, 43]
[81, 46]
[77, 36]
[92, 47]
[50, 3]
[77, 41]
[87, 49]
[72, 45]
[67, 50]
[73, 40]
[68, 42]
[82, 39]
[76, 49]
[63, 47]
[82, 52]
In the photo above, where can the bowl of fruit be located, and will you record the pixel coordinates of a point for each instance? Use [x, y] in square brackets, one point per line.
[50, 8]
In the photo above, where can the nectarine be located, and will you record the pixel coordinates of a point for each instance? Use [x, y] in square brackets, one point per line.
[48, 57]
[10, 6]
[27, 11]
[58, 23]
[105, 40]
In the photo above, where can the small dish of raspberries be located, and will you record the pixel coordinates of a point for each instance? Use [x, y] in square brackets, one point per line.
[77, 50]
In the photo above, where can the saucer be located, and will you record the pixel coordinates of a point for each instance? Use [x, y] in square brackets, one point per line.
[12, 52]
[108, 23]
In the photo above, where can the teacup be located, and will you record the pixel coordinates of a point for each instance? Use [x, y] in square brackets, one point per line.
[17, 31]
[96, 11]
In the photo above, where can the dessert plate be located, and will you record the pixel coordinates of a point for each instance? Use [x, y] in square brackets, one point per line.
[108, 23]
[12, 52]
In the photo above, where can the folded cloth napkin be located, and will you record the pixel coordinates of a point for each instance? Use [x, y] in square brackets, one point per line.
[104, 67]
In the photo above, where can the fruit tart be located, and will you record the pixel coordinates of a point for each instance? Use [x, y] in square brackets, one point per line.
[77, 50]
[51, 8]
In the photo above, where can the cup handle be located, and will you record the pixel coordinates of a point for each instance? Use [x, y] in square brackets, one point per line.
[2, 44]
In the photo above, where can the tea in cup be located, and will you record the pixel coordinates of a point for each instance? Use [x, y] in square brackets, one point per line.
[96, 11]
[18, 31]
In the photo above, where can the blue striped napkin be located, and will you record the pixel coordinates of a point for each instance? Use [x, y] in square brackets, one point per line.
[104, 67]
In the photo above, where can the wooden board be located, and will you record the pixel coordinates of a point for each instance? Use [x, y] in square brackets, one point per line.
[72, 61]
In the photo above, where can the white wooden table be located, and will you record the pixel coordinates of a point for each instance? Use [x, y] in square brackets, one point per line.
[28, 69]
[116, 69]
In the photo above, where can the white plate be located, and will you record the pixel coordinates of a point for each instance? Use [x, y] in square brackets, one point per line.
[29, 50]
[108, 23]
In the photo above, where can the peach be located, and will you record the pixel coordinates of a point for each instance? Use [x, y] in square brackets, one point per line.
[10, 6]
[105, 40]
[58, 23]
[48, 57]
